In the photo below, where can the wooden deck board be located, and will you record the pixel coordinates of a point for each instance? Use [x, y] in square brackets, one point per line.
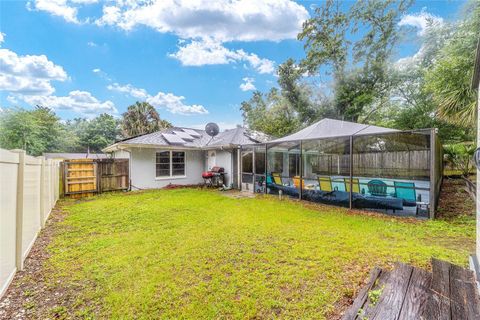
[390, 302]
[416, 297]
[448, 293]
[358, 303]
[380, 283]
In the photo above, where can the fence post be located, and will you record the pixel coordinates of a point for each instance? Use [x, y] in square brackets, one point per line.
[42, 193]
[19, 213]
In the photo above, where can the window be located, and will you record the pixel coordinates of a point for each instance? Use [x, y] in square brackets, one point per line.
[170, 163]
[178, 163]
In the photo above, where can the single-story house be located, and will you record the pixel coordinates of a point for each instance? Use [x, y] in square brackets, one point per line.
[331, 161]
[179, 155]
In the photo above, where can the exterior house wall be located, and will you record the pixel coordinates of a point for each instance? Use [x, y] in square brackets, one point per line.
[224, 159]
[121, 154]
[143, 173]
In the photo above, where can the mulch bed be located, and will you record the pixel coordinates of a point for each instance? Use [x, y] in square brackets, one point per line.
[454, 200]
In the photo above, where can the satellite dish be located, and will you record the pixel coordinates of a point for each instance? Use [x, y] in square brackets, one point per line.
[212, 129]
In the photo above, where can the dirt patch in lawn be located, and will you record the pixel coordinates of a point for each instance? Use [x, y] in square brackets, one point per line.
[32, 295]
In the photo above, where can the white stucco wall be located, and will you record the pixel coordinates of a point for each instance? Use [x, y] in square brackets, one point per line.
[224, 159]
[142, 167]
[121, 154]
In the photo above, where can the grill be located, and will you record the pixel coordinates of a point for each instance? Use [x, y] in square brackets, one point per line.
[215, 177]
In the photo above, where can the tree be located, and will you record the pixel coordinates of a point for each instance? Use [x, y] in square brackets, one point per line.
[450, 78]
[98, 133]
[35, 131]
[271, 114]
[359, 67]
[142, 118]
[296, 93]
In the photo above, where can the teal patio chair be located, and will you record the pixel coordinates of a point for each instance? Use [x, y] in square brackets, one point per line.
[377, 188]
[405, 190]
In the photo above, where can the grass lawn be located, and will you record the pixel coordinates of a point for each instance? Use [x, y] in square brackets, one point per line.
[197, 254]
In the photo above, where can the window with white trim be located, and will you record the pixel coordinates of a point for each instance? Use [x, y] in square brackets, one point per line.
[170, 164]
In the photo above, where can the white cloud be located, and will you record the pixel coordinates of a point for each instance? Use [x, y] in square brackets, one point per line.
[129, 89]
[111, 15]
[2, 37]
[58, 8]
[29, 74]
[240, 20]
[420, 20]
[77, 101]
[175, 104]
[210, 52]
[92, 44]
[96, 70]
[168, 101]
[28, 78]
[247, 85]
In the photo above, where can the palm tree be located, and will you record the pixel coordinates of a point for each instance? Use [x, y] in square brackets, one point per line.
[450, 78]
[142, 118]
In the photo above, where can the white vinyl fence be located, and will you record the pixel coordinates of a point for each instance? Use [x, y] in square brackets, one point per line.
[29, 189]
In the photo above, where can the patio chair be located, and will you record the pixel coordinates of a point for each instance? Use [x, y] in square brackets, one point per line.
[377, 188]
[325, 184]
[277, 179]
[296, 182]
[355, 185]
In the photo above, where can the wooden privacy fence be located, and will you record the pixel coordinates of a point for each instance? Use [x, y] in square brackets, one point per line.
[29, 189]
[85, 177]
[395, 164]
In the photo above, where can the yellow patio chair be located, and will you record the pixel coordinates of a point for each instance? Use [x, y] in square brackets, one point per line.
[325, 183]
[277, 179]
[355, 185]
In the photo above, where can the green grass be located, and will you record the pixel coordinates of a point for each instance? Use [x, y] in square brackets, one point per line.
[198, 254]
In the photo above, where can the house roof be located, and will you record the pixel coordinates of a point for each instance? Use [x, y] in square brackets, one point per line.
[194, 138]
[54, 155]
[476, 70]
[329, 128]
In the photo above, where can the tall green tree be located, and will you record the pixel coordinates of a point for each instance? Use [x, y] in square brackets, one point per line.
[360, 67]
[449, 79]
[35, 131]
[141, 118]
[94, 134]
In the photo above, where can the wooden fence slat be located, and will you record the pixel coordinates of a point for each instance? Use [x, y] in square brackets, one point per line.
[87, 177]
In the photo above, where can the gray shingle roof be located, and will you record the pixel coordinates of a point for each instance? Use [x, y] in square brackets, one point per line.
[231, 137]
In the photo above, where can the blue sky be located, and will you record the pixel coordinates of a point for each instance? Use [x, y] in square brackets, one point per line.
[195, 61]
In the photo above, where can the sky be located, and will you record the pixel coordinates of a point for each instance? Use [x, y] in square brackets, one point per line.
[194, 60]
